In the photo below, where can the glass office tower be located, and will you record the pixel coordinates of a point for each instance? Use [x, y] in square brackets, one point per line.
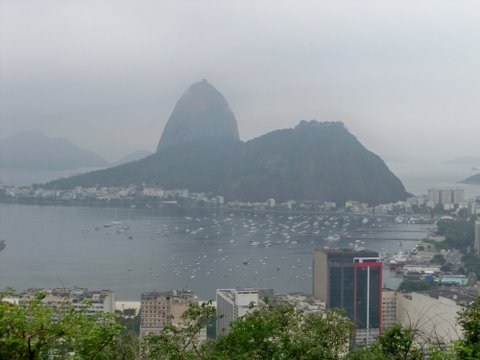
[351, 280]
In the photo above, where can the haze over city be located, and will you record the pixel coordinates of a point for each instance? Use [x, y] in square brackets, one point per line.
[402, 76]
[201, 179]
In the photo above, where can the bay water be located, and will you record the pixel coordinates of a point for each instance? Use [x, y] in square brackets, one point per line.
[132, 251]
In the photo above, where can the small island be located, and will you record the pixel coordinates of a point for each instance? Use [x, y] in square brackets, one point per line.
[472, 180]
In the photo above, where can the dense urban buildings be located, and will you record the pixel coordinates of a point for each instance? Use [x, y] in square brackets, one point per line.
[351, 280]
[162, 308]
[80, 298]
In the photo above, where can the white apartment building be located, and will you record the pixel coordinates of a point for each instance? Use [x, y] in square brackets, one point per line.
[445, 196]
[235, 303]
[476, 245]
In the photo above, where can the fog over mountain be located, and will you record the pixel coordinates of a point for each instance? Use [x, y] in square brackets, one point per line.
[35, 150]
[133, 156]
[313, 161]
[466, 160]
[402, 76]
[199, 150]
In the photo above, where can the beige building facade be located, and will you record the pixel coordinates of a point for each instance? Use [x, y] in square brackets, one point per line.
[159, 309]
[434, 318]
[389, 308]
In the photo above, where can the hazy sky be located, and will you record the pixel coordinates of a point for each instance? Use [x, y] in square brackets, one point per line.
[404, 76]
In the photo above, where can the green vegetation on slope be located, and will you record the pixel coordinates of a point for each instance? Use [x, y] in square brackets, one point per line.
[458, 234]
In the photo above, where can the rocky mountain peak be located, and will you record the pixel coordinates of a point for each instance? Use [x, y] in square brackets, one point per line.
[201, 112]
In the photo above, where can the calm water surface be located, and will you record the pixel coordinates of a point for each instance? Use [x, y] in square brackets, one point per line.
[148, 249]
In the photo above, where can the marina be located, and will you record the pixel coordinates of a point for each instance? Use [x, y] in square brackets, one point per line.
[146, 249]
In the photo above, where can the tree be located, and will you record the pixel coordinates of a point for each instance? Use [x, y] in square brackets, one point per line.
[417, 285]
[472, 263]
[447, 267]
[399, 343]
[469, 319]
[179, 342]
[281, 332]
[270, 332]
[438, 259]
[396, 343]
[33, 330]
[458, 234]
[130, 320]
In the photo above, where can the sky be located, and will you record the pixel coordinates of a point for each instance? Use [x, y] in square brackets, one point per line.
[403, 76]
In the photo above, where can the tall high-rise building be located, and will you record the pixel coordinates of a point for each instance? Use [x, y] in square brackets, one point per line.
[351, 280]
[235, 303]
[477, 236]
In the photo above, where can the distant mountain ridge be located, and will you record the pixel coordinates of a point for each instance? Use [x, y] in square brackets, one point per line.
[35, 150]
[465, 160]
[133, 156]
[313, 161]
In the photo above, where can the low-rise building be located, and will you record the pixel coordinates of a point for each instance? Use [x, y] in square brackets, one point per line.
[153, 192]
[81, 298]
[301, 302]
[455, 280]
[270, 203]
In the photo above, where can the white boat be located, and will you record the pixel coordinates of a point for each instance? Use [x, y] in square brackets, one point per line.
[332, 238]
